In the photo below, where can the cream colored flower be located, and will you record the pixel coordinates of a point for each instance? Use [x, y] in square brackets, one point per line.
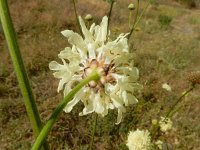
[139, 140]
[159, 143]
[167, 87]
[111, 59]
[165, 124]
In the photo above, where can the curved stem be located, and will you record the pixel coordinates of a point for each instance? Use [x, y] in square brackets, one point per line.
[178, 101]
[20, 70]
[93, 131]
[156, 128]
[47, 128]
[76, 15]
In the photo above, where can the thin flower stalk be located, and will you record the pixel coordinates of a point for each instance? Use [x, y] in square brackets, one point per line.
[135, 20]
[20, 69]
[76, 15]
[109, 15]
[130, 18]
[138, 19]
[178, 101]
[93, 131]
[169, 113]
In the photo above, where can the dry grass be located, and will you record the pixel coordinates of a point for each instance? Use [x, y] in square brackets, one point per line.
[162, 55]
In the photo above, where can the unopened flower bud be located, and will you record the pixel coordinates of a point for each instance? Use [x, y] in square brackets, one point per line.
[131, 6]
[194, 77]
[160, 60]
[88, 17]
[165, 124]
[159, 143]
[154, 121]
[137, 29]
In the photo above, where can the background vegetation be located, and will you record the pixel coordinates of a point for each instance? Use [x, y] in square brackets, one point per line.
[167, 48]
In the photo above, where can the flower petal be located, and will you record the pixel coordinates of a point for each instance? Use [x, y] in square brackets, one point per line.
[99, 105]
[61, 84]
[73, 57]
[71, 104]
[119, 116]
[101, 31]
[77, 40]
[75, 100]
[53, 65]
[91, 50]
[86, 32]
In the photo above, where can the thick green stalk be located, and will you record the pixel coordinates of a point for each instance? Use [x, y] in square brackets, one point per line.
[23, 80]
[47, 128]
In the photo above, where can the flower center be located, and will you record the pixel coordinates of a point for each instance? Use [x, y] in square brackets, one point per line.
[105, 70]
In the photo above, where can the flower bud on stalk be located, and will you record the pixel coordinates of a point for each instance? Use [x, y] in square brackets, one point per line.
[88, 17]
[194, 77]
[131, 6]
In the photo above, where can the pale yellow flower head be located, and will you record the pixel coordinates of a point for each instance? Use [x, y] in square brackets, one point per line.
[165, 124]
[88, 17]
[167, 87]
[113, 61]
[139, 140]
[159, 144]
[131, 6]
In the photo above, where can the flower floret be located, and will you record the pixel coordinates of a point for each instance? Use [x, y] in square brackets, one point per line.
[139, 140]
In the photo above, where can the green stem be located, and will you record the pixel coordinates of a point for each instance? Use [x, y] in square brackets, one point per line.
[136, 16]
[46, 129]
[178, 101]
[129, 19]
[155, 129]
[137, 11]
[23, 80]
[137, 20]
[93, 131]
[109, 14]
[76, 15]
